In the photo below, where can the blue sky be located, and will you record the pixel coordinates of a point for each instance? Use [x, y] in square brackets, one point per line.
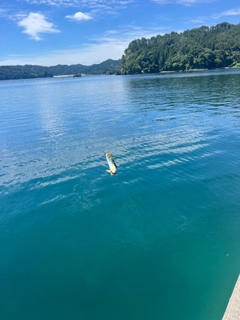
[50, 32]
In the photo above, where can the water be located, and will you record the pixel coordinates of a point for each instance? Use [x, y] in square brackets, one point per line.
[158, 241]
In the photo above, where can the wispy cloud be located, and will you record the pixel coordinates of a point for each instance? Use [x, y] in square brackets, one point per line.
[56, 3]
[110, 44]
[199, 20]
[93, 4]
[183, 2]
[128, 33]
[232, 12]
[96, 8]
[35, 24]
[79, 16]
[2, 11]
[209, 19]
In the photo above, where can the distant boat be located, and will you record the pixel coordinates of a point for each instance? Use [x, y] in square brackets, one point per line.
[111, 163]
[63, 76]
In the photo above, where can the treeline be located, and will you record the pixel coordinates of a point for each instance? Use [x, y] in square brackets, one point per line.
[200, 48]
[32, 71]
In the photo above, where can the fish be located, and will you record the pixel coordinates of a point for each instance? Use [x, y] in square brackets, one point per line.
[111, 163]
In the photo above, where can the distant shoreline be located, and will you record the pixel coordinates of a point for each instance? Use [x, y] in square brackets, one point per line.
[35, 71]
[160, 72]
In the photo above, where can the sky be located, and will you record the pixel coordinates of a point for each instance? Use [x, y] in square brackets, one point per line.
[51, 32]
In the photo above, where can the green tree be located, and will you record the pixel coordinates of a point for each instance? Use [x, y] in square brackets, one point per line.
[204, 47]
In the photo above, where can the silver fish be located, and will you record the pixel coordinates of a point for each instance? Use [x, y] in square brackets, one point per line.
[111, 163]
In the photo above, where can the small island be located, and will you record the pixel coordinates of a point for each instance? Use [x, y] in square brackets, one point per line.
[76, 70]
[77, 75]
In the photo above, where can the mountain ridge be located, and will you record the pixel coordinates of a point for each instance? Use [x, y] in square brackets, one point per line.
[36, 71]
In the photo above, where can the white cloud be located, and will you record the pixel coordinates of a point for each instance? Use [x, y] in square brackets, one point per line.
[233, 12]
[35, 24]
[2, 11]
[183, 2]
[198, 20]
[96, 7]
[93, 4]
[79, 16]
[56, 3]
[207, 19]
[110, 45]
[88, 54]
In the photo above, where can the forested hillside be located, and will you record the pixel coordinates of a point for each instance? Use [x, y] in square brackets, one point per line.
[32, 71]
[204, 47]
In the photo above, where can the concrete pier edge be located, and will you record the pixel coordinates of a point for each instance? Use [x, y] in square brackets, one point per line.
[233, 308]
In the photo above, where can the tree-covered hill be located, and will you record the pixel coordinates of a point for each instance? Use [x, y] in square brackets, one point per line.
[32, 71]
[204, 47]
[107, 67]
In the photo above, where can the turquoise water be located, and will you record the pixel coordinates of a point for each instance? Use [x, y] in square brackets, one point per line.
[158, 241]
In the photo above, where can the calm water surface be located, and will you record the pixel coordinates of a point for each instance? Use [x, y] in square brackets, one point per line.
[161, 239]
